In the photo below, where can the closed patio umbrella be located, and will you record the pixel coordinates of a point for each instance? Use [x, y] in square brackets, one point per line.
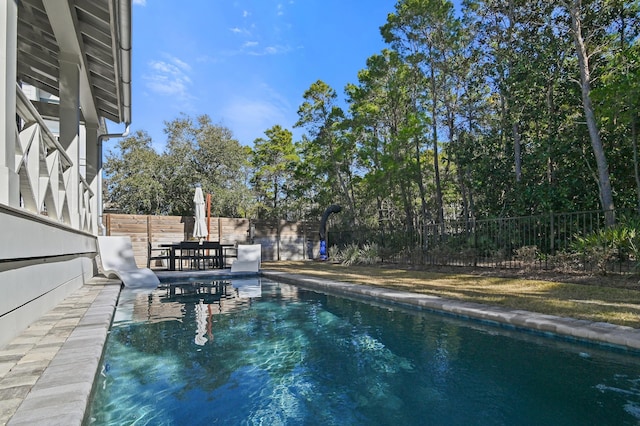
[200, 230]
[201, 322]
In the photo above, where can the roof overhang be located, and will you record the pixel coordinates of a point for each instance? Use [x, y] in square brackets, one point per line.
[96, 34]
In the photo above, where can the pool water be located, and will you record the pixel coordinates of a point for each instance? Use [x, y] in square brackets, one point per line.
[258, 352]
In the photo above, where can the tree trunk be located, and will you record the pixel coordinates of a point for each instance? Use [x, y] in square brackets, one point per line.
[275, 199]
[408, 207]
[551, 128]
[434, 130]
[517, 151]
[423, 200]
[515, 128]
[472, 205]
[634, 141]
[335, 162]
[604, 182]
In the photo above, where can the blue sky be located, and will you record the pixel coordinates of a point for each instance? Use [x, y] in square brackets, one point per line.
[245, 63]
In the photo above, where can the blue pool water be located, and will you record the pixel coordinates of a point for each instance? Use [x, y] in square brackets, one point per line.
[258, 352]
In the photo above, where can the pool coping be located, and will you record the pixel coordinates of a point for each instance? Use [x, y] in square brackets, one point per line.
[47, 374]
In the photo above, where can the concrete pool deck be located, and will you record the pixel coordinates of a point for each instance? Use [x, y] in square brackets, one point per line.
[47, 372]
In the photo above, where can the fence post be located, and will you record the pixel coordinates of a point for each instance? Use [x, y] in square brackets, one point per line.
[475, 241]
[149, 232]
[278, 226]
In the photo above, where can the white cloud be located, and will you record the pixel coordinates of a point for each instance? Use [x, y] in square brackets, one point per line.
[241, 31]
[140, 2]
[251, 48]
[181, 64]
[169, 77]
[268, 50]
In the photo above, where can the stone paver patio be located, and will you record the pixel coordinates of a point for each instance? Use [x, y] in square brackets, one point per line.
[46, 373]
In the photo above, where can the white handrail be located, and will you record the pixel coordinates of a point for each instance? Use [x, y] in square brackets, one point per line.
[29, 113]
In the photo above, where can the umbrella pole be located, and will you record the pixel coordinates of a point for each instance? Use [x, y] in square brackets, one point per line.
[208, 216]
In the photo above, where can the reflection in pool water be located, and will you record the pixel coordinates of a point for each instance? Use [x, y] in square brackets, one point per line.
[254, 351]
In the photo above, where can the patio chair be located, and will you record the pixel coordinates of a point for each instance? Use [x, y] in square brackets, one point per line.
[162, 255]
[191, 251]
[212, 255]
[248, 260]
[116, 260]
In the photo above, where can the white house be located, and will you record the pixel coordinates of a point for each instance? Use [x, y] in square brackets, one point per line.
[65, 69]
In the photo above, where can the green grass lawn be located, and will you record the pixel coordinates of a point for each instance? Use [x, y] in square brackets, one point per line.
[581, 301]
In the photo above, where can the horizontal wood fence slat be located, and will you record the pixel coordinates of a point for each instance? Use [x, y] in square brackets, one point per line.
[280, 240]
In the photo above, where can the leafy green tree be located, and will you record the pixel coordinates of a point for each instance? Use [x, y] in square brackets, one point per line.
[223, 165]
[139, 180]
[381, 106]
[328, 153]
[583, 53]
[273, 160]
[527, 140]
[464, 115]
[618, 97]
[424, 32]
[201, 152]
[134, 180]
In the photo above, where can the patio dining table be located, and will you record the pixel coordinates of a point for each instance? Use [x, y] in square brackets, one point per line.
[198, 253]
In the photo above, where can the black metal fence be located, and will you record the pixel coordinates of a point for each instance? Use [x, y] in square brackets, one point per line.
[543, 241]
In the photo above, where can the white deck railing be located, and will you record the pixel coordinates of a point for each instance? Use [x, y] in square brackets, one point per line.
[45, 171]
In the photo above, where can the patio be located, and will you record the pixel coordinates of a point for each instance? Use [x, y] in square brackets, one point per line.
[46, 373]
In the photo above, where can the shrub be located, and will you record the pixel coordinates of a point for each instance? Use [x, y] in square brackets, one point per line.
[528, 255]
[567, 262]
[369, 254]
[334, 254]
[350, 254]
[620, 242]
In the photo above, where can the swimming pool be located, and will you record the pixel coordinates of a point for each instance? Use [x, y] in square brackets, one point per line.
[255, 351]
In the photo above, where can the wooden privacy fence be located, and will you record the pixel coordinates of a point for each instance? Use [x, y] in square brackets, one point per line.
[280, 240]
